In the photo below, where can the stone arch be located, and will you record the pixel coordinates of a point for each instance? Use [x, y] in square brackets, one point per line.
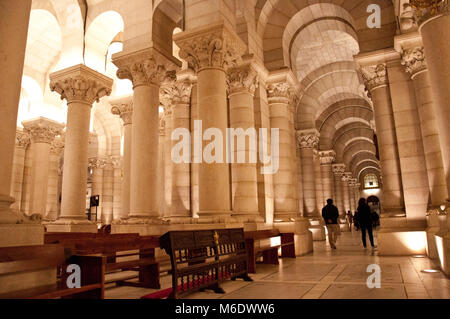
[100, 33]
[357, 145]
[167, 15]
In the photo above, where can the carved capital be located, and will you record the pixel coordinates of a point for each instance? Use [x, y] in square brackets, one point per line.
[96, 163]
[57, 146]
[327, 157]
[338, 169]
[307, 139]
[80, 84]
[242, 79]
[176, 93]
[143, 68]
[279, 92]
[210, 47]
[352, 182]
[347, 177]
[426, 9]
[42, 130]
[414, 60]
[374, 76]
[124, 108]
[22, 139]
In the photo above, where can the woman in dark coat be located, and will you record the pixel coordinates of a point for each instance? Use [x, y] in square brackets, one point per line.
[363, 217]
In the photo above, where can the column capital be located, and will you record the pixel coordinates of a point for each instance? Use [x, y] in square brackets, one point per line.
[243, 78]
[42, 130]
[347, 176]
[80, 84]
[327, 157]
[338, 169]
[374, 76]
[307, 138]
[352, 182]
[57, 146]
[177, 92]
[427, 9]
[123, 107]
[214, 46]
[97, 162]
[22, 139]
[414, 61]
[144, 68]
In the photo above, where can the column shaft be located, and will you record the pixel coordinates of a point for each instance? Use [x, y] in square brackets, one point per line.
[435, 34]
[14, 20]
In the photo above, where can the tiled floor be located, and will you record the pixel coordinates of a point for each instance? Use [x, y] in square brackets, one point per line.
[327, 274]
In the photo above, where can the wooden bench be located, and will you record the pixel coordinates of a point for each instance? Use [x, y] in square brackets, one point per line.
[204, 259]
[24, 259]
[269, 252]
[138, 250]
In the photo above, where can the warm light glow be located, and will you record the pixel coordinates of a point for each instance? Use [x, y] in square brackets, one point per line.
[440, 250]
[414, 241]
[372, 191]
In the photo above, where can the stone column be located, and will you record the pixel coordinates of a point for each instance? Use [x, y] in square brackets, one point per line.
[357, 192]
[209, 50]
[123, 107]
[242, 82]
[352, 193]
[146, 69]
[56, 149]
[97, 164]
[409, 144]
[346, 190]
[81, 87]
[14, 19]
[108, 192]
[434, 26]
[415, 64]
[339, 170]
[178, 95]
[42, 132]
[307, 141]
[320, 200]
[167, 156]
[118, 212]
[326, 160]
[375, 78]
[22, 142]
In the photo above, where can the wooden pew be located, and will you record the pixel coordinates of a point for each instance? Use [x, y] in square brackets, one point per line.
[203, 260]
[63, 237]
[142, 248]
[269, 252]
[23, 259]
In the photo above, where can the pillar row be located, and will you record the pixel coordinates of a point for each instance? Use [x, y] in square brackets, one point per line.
[326, 160]
[338, 171]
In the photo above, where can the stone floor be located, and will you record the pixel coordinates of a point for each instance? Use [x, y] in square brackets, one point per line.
[327, 274]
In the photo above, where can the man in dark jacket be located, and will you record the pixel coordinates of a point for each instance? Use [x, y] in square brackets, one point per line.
[330, 214]
[363, 217]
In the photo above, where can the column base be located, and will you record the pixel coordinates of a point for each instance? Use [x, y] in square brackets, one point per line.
[303, 237]
[442, 242]
[317, 229]
[68, 225]
[249, 218]
[432, 229]
[402, 241]
[21, 235]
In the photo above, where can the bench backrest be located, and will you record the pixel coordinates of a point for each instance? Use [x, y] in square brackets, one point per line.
[50, 238]
[110, 245]
[199, 257]
[262, 234]
[31, 258]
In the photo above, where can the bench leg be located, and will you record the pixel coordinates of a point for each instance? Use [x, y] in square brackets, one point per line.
[149, 276]
[288, 250]
[251, 260]
[270, 256]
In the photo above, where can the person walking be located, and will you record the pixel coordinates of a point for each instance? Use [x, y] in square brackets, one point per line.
[330, 214]
[350, 220]
[363, 218]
